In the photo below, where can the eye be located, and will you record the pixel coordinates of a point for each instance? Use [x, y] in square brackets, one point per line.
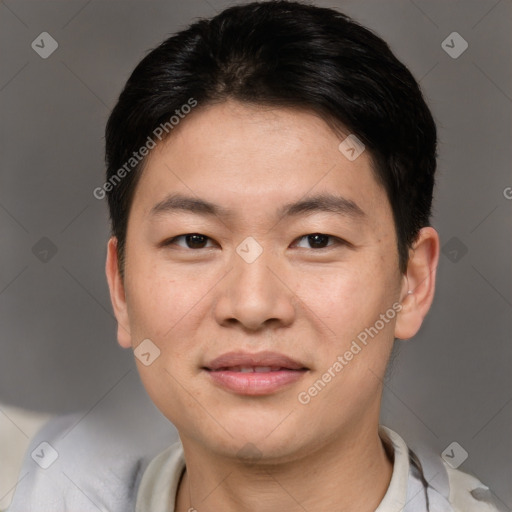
[192, 241]
[199, 241]
[319, 240]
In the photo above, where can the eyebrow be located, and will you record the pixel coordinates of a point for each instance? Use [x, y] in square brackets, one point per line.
[325, 202]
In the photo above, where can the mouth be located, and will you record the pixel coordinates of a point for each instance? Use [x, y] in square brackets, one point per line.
[254, 374]
[252, 369]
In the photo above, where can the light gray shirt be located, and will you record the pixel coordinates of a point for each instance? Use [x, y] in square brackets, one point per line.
[94, 471]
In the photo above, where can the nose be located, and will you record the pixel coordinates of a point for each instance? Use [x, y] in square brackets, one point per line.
[255, 295]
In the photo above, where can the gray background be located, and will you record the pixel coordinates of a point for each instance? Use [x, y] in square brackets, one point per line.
[58, 349]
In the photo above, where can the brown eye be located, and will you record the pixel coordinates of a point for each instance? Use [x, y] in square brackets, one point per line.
[319, 240]
[192, 241]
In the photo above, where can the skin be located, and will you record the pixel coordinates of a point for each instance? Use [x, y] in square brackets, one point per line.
[306, 302]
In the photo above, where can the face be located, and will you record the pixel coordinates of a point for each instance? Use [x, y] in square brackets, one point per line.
[260, 275]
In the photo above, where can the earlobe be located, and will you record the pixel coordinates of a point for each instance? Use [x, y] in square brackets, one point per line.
[420, 281]
[117, 294]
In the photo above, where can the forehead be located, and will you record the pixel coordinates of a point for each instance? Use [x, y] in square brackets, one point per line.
[246, 158]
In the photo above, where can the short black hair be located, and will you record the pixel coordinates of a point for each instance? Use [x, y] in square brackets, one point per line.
[281, 54]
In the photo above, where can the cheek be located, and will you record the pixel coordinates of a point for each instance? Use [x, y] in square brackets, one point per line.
[160, 302]
[346, 299]
[161, 308]
[331, 297]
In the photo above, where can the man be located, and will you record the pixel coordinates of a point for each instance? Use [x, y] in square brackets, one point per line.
[270, 177]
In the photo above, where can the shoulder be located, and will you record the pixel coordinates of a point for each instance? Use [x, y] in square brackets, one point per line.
[448, 489]
[467, 493]
[79, 463]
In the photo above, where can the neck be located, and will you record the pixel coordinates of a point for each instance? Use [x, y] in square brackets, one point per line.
[349, 473]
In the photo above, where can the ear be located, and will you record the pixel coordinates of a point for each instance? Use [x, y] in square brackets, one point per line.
[117, 294]
[418, 284]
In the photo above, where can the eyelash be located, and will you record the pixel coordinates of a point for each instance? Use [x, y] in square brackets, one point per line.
[337, 241]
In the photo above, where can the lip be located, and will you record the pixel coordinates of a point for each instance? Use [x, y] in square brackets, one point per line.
[285, 371]
[275, 359]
